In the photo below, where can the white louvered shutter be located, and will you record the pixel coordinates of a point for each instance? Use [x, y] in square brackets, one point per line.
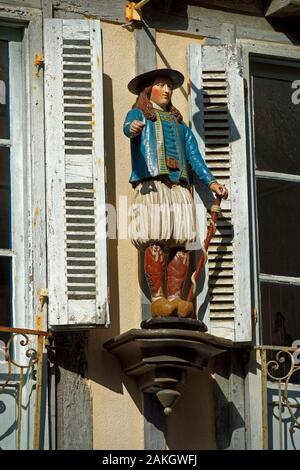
[218, 121]
[76, 235]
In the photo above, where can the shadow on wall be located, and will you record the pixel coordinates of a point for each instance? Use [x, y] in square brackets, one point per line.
[103, 368]
[79, 355]
[162, 57]
[205, 417]
[201, 95]
[289, 26]
[100, 363]
[228, 394]
[145, 291]
[206, 196]
[192, 422]
[158, 12]
[110, 158]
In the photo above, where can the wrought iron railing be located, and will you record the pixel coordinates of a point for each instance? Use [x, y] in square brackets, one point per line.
[19, 347]
[280, 368]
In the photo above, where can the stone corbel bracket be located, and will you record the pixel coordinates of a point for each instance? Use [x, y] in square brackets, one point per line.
[160, 358]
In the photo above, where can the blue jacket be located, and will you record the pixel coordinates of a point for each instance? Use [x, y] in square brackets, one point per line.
[148, 149]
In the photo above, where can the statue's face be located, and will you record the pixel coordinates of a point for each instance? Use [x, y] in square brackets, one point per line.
[162, 91]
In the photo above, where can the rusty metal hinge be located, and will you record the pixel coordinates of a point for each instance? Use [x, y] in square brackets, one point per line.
[133, 10]
[43, 294]
[39, 63]
[131, 14]
[43, 299]
[254, 315]
[188, 86]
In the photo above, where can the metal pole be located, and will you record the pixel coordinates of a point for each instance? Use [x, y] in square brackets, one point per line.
[280, 413]
[264, 399]
[20, 408]
[37, 412]
[38, 394]
[140, 5]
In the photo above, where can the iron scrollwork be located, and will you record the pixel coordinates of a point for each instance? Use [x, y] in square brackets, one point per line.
[282, 368]
[31, 354]
[20, 338]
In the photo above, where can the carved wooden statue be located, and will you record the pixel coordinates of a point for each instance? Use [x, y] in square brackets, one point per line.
[163, 150]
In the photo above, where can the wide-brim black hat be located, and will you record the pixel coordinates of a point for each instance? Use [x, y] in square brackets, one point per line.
[138, 83]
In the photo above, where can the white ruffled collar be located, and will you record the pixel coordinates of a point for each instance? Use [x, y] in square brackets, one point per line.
[156, 106]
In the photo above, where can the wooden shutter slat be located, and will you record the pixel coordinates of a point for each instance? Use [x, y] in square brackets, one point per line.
[217, 107]
[58, 307]
[79, 199]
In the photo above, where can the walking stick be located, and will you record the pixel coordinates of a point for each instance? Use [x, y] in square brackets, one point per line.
[215, 211]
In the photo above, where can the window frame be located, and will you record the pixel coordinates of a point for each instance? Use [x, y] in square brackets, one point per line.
[29, 20]
[274, 51]
[273, 175]
[253, 374]
[18, 199]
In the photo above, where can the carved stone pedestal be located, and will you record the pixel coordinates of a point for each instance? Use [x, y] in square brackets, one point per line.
[160, 357]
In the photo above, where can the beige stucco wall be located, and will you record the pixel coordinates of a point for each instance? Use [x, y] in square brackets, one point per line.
[192, 425]
[172, 52]
[118, 421]
[117, 416]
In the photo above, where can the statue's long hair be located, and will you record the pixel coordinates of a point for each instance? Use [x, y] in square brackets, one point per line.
[144, 104]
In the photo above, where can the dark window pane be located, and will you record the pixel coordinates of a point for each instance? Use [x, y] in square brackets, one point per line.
[278, 204]
[5, 295]
[281, 323]
[280, 312]
[4, 198]
[4, 107]
[276, 125]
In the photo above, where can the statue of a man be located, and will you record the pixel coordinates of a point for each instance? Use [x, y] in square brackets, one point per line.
[162, 150]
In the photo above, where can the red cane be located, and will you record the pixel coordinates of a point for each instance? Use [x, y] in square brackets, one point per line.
[215, 210]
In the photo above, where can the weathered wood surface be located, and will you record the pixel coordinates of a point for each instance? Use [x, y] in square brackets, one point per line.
[154, 423]
[36, 148]
[207, 22]
[105, 9]
[99, 174]
[24, 3]
[70, 163]
[230, 401]
[115, 9]
[253, 7]
[18, 168]
[55, 176]
[240, 203]
[47, 8]
[145, 52]
[237, 398]
[74, 403]
[228, 33]
[17, 12]
[187, 18]
[229, 311]
[182, 18]
[283, 9]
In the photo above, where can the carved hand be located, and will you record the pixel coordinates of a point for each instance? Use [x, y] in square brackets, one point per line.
[219, 189]
[136, 128]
